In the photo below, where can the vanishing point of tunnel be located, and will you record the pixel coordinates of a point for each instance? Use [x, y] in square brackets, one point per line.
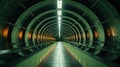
[59, 33]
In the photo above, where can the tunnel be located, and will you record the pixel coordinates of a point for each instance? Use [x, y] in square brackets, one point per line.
[59, 33]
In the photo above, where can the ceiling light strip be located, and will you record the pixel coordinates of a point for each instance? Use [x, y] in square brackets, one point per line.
[59, 16]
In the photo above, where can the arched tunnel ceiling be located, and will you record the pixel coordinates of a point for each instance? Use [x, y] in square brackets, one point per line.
[22, 19]
[89, 24]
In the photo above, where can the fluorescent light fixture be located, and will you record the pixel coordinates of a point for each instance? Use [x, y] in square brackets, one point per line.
[59, 3]
[59, 25]
[59, 18]
[59, 28]
[59, 12]
[59, 22]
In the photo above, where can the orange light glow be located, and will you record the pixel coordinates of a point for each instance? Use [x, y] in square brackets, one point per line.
[111, 32]
[82, 35]
[21, 34]
[40, 37]
[29, 35]
[43, 37]
[96, 34]
[88, 35]
[46, 38]
[76, 36]
[5, 32]
[34, 36]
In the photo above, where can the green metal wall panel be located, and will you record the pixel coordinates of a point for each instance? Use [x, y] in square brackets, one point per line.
[84, 60]
[34, 60]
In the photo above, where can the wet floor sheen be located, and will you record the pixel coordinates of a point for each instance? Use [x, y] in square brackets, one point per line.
[59, 57]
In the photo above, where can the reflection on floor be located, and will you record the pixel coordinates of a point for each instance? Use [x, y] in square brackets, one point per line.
[59, 57]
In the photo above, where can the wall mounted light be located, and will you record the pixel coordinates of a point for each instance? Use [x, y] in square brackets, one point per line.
[5, 32]
[21, 34]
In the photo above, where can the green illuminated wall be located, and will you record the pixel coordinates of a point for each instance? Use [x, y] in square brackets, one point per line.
[34, 60]
[84, 59]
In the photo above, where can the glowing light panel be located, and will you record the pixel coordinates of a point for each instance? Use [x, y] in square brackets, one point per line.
[59, 13]
[59, 3]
